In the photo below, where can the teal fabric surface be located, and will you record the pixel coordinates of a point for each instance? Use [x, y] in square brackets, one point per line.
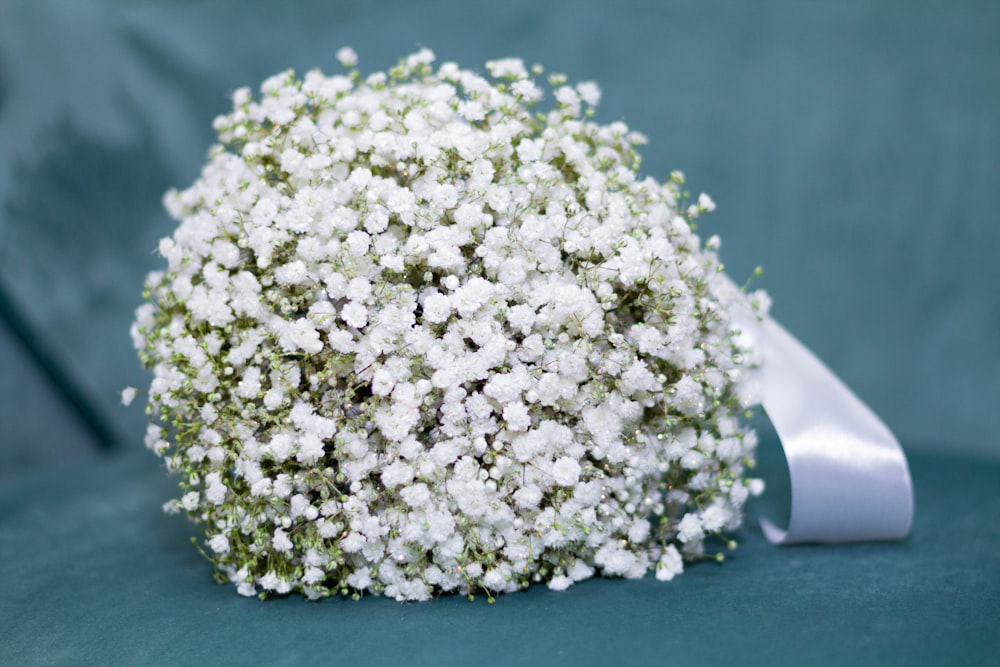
[853, 149]
[92, 573]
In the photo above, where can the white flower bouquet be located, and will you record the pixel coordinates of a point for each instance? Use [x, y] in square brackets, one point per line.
[417, 336]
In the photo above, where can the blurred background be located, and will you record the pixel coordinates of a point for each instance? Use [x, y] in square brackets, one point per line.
[853, 149]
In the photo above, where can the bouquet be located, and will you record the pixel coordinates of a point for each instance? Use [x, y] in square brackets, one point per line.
[424, 332]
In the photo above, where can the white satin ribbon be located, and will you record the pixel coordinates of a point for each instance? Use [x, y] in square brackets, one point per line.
[849, 476]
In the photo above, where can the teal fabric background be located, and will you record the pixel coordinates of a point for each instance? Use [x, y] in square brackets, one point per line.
[853, 149]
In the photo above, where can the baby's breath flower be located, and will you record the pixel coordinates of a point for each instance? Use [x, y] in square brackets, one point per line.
[414, 337]
[128, 395]
[347, 57]
[670, 564]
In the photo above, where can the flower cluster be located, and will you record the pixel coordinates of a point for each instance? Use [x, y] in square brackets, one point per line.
[416, 336]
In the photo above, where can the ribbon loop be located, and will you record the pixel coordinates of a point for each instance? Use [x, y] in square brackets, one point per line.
[849, 477]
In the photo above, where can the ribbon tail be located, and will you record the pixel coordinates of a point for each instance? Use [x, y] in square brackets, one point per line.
[849, 476]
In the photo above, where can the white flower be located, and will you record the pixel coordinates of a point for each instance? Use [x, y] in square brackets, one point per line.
[715, 517]
[527, 90]
[246, 589]
[589, 92]
[507, 67]
[437, 307]
[281, 446]
[190, 501]
[249, 385]
[354, 314]
[397, 474]
[360, 579]
[128, 395]
[566, 471]
[416, 495]
[639, 531]
[292, 273]
[568, 97]
[216, 491]
[530, 150]
[670, 564]
[690, 397]
[472, 111]
[313, 575]
[281, 541]
[517, 417]
[415, 336]
[580, 571]
[347, 57]
[301, 335]
[528, 497]
[219, 544]
[273, 398]
[616, 561]
[310, 448]
[560, 582]
[270, 581]
[690, 529]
